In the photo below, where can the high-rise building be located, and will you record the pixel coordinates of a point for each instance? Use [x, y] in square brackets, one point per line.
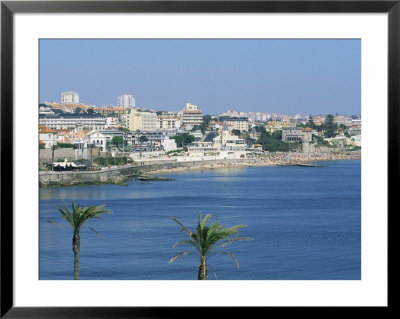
[191, 115]
[126, 100]
[69, 97]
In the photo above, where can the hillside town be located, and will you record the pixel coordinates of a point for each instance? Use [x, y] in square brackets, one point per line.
[78, 136]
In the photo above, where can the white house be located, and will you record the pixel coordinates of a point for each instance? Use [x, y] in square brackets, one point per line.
[98, 139]
[47, 136]
[168, 144]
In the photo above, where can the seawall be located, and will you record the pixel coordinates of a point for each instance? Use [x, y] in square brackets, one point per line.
[119, 175]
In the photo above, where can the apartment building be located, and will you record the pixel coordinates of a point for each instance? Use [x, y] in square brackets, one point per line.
[141, 120]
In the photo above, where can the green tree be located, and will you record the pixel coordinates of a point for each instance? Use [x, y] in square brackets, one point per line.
[76, 219]
[330, 126]
[310, 123]
[247, 139]
[143, 139]
[124, 129]
[78, 110]
[206, 239]
[57, 111]
[272, 142]
[205, 123]
[320, 141]
[53, 148]
[183, 139]
[260, 129]
[236, 132]
[117, 141]
[90, 146]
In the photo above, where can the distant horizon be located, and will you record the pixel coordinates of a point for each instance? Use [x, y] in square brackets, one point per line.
[295, 76]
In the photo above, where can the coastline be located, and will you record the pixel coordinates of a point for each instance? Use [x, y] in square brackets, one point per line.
[281, 160]
[120, 175]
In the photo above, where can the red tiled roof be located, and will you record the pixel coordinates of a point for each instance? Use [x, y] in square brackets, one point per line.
[45, 129]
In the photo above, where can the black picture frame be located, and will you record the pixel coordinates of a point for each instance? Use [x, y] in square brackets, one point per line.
[9, 8]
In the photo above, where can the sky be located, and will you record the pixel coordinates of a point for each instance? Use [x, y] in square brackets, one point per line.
[287, 76]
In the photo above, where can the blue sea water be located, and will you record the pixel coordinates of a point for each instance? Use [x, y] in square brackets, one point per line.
[306, 225]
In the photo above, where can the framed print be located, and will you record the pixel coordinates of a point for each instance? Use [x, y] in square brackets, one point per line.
[252, 144]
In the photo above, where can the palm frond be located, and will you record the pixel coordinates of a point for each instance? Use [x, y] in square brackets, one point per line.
[234, 229]
[66, 214]
[184, 228]
[231, 240]
[188, 252]
[229, 254]
[78, 215]
[205, 220]
[205, 238]
[93, 230]
[187, 242]
[55, 223]
[86, 213]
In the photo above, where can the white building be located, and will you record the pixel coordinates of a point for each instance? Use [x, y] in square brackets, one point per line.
[97, 138]
[191, 115]
[197, 134]
[169, 120]
[69, 97]
[126, 100]
[47, 136]
[236, 123]
[72, 121]
[223, 146]
[168, 144]
[111, 122]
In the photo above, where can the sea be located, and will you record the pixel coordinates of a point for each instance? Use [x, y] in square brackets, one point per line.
[305, 224]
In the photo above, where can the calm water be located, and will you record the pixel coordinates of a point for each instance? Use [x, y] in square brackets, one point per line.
[306, 224]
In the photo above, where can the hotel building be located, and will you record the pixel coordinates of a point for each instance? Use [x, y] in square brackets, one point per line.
[72, 121]
[191, 115]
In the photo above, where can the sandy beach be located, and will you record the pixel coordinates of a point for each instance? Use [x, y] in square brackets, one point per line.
[273, 160]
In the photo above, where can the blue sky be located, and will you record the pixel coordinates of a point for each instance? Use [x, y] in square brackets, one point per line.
[260, 75]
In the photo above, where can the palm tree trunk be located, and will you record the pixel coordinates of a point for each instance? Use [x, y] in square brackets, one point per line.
[52, 158]
[203, 272]
[76, 247]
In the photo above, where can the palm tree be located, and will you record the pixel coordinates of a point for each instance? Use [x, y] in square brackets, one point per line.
[76, 219]
[205, 239]
[53, 148]
[91, 153]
